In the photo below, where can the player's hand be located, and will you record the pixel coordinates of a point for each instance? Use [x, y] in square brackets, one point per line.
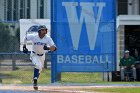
[46, 48]
[25, 50]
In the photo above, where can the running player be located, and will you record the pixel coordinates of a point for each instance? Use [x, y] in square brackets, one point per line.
[41, 42]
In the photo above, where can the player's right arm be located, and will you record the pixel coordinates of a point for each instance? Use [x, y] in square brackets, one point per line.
[26, 38]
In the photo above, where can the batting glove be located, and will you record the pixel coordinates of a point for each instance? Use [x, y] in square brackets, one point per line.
[46, 48]
[25, 50]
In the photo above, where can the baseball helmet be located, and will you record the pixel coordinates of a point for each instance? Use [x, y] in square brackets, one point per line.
[42, 27]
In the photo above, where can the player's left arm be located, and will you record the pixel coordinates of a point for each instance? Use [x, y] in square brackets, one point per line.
[51, 44]
[53, 48]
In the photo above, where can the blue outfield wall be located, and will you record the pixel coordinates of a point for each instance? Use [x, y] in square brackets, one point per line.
[85, 34]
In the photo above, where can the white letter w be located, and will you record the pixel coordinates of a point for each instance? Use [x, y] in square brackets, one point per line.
[87, 15]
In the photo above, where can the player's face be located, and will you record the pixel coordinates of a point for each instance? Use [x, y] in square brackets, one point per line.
[43, 31]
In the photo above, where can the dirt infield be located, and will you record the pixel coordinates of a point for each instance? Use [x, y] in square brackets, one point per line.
[53, 89]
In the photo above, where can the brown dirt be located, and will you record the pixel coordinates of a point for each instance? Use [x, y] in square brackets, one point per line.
[57, 89]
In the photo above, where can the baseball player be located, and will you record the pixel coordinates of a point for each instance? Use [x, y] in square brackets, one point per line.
[41, 42]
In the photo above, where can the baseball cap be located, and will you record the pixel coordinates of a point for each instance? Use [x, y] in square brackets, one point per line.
[126, 51]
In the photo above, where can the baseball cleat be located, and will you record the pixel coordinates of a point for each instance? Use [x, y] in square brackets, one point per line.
[35, 84]
[35, 87]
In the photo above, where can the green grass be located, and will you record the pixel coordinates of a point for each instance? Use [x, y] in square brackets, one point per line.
[25, 76]
[81, 77]
[114, 90]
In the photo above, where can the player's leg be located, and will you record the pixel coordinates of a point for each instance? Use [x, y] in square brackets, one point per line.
[36, 73]
[41, 63]
[42, 59]
[37, 70]
[38, 66]
[36, 62]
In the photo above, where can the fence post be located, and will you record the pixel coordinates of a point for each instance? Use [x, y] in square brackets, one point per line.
[59, 76]
[0, 64]
[13, 62]
[45, 64]
[0, 80]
